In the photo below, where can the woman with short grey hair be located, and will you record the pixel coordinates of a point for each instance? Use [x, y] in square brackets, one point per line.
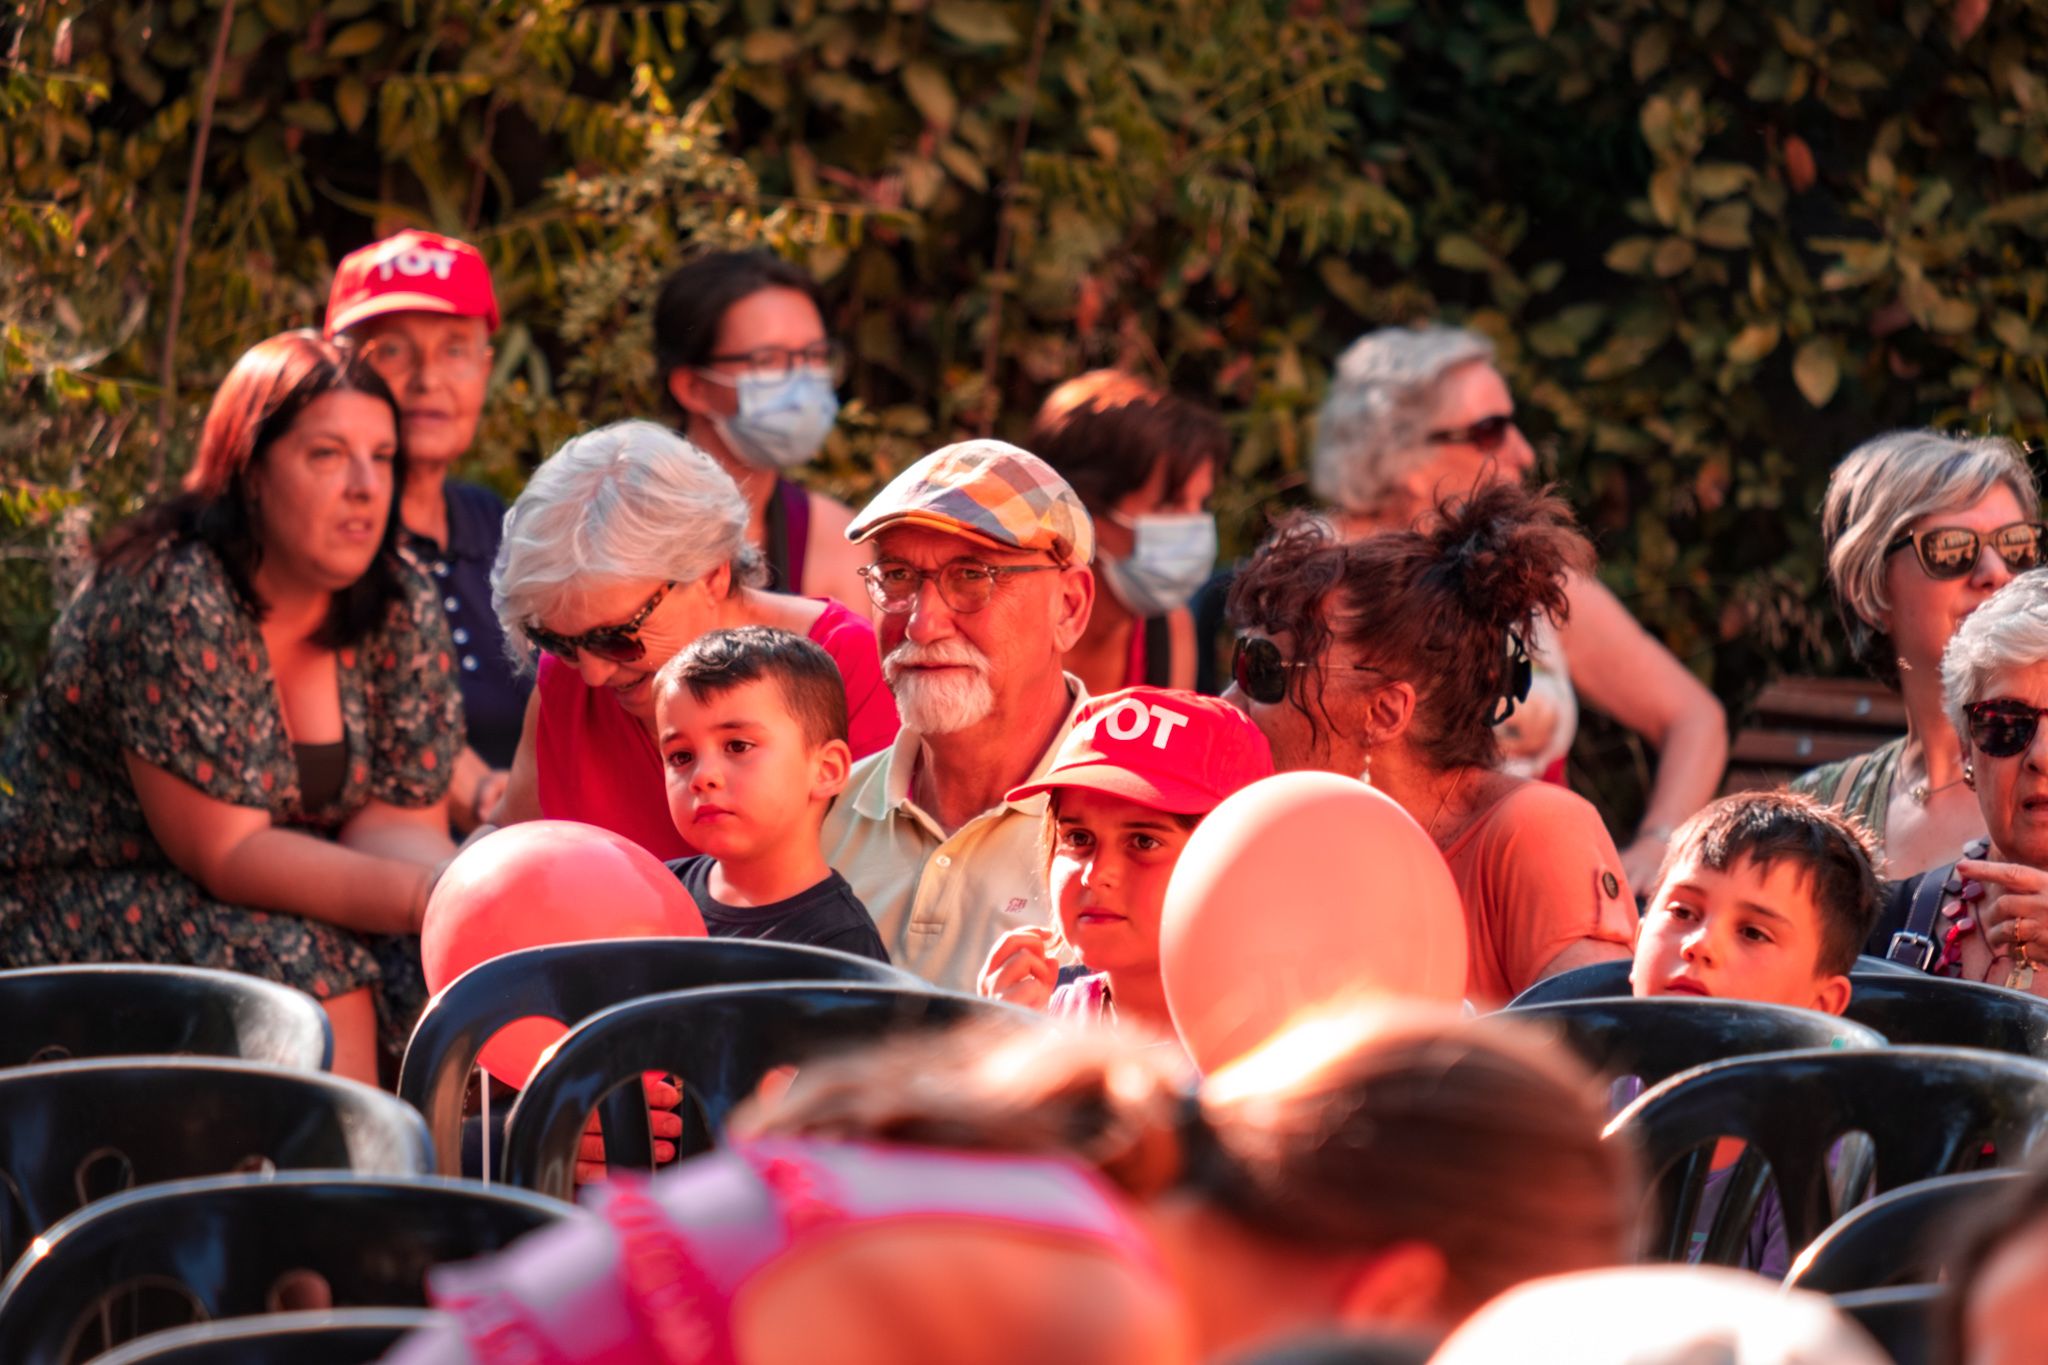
[1985, 916]
[1920, 529]
[625, 547]
[1415, 416]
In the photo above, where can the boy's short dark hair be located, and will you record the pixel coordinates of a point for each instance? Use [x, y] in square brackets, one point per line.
[719, 660]
[1831, 851]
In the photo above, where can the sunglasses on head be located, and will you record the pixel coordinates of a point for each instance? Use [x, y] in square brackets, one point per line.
[1952, 551]
[1261, 674]
[618, 644]
[2003, 728]
[1486, 435]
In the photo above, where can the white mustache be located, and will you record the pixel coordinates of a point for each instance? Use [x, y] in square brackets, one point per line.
[955, 653]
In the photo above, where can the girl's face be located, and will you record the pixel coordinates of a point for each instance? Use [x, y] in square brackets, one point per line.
[1111, 859]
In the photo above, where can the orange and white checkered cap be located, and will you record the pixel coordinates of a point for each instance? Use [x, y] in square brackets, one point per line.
[987, 492]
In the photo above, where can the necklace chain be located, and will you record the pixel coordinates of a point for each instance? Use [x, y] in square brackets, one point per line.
[1449, 792]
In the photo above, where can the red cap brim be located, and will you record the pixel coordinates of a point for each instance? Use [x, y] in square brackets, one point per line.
[377, 305]
[1170, 795]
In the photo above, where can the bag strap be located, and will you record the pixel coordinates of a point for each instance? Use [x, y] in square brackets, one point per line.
[1846, 783]
[1914, 945]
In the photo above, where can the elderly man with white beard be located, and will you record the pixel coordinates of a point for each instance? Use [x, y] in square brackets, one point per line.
[981, 581]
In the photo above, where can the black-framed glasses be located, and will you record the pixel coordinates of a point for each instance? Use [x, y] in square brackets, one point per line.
[1486, 435]
[2004, 727]
[777, 362]
[1952, 551]
[965, 585]
[1261, 674]
[618, 644]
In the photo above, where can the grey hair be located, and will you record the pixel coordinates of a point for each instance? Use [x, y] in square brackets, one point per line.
[627, 503]
[2008, 631]
[1882, 487]
[1377, 411]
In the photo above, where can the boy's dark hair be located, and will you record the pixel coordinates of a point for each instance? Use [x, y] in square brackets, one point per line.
[719, 660]
[1106, 432]
[1831, 851]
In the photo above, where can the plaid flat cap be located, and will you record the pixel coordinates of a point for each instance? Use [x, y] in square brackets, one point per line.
[988, 492]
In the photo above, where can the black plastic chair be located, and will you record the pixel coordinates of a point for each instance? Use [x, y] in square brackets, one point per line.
[1604, 979]
[570, 982]
[1897, 1238]
[1657, 1038]
[1927, 1110]
[55, 1014]
[347, 1336]
[72, 1132]
[1939, 1011]
[226, 1244]
[1901, 1320]
[720, 1041]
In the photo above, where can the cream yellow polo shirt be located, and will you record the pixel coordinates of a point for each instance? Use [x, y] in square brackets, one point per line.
[941, 903]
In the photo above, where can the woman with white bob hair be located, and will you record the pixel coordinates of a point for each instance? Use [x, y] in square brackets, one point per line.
[1417, 415]
[628, 544]
[1985, 917]
[1920, 529]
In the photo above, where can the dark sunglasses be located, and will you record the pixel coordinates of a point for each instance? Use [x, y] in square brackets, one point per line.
[1486, 435]
[618, 644]
[1261, 674]
[1952, 551]
[2003, 728]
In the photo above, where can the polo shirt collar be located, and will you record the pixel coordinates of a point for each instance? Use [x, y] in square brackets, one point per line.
[888, 786]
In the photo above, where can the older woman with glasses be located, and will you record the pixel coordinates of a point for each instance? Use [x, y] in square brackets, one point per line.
[1920, 530]
[627, 545]
[1417, 415]
[1985, 916]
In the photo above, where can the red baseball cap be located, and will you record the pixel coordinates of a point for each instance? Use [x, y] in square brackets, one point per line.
[1173, 751]
[411, 272]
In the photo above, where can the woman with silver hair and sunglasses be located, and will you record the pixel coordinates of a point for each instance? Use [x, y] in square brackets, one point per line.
[1984, 917]
[1417, 415]
[625, 546]
[1920, 529]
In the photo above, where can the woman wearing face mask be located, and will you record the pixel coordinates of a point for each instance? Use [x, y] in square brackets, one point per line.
[1144, 463]
[739, 339]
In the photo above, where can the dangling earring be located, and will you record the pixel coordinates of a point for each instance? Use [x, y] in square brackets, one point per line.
[1969, 775]
[1365, 774]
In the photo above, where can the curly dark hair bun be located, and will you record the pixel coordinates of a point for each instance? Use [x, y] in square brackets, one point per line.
[1504, 553]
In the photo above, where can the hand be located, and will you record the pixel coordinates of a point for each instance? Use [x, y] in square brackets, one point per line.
[1020, 968]
[1640, 862]
[662, 1120]
[430, 877]
[490, 789]
[2017, 915]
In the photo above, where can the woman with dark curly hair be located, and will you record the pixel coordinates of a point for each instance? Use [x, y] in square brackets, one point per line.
[1396, 658]
[239, 753]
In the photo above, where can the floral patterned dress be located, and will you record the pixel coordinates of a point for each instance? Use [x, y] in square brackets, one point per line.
[164, 662]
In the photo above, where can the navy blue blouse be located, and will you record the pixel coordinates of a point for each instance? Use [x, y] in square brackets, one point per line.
[493, 697]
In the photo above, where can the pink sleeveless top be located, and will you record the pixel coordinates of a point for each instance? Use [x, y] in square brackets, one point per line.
[653, 1279]
[598, 764]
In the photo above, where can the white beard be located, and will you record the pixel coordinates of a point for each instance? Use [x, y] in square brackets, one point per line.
[947, 703]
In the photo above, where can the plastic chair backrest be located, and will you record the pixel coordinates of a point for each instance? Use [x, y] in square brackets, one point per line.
[720, 1041]
[1901, 1320]
[1898, 1238]
[1943, 1012]
[55, 1014]
[570, 982]
[225, 1243]
[1604, 979]
[1928, 1111]
[71, 1132]
[1657, 1038]
[347, 1336]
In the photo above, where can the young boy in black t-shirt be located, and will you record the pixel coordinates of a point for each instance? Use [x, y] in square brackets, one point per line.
[752, 726]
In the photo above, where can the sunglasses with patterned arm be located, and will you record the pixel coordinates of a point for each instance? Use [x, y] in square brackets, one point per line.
[1486, 435]
[618, 644]
[1951, 551]
[2003, 727]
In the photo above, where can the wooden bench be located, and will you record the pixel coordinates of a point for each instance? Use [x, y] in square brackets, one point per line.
[1800, 723]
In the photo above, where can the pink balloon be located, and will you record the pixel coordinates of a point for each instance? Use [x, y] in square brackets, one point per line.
[1303, 890]
[542, 882]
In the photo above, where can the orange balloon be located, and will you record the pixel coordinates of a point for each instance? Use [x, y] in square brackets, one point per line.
[542, 882]
[1299, 891]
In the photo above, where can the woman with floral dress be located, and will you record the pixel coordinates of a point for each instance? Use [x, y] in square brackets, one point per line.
[238, 754]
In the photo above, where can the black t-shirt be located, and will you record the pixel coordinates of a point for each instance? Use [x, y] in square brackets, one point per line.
[828, 915]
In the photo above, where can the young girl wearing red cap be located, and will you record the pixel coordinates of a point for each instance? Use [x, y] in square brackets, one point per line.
[1139, 771]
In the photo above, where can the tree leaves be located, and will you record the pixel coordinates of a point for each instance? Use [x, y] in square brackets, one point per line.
[356, 40]
[1817, 369]
[979, 23]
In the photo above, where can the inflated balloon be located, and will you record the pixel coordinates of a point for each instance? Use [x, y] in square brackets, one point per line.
[1302, 890]
[542, 882]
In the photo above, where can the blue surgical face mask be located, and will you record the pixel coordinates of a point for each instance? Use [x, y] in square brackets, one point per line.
[1172, 554]
[782, 419]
